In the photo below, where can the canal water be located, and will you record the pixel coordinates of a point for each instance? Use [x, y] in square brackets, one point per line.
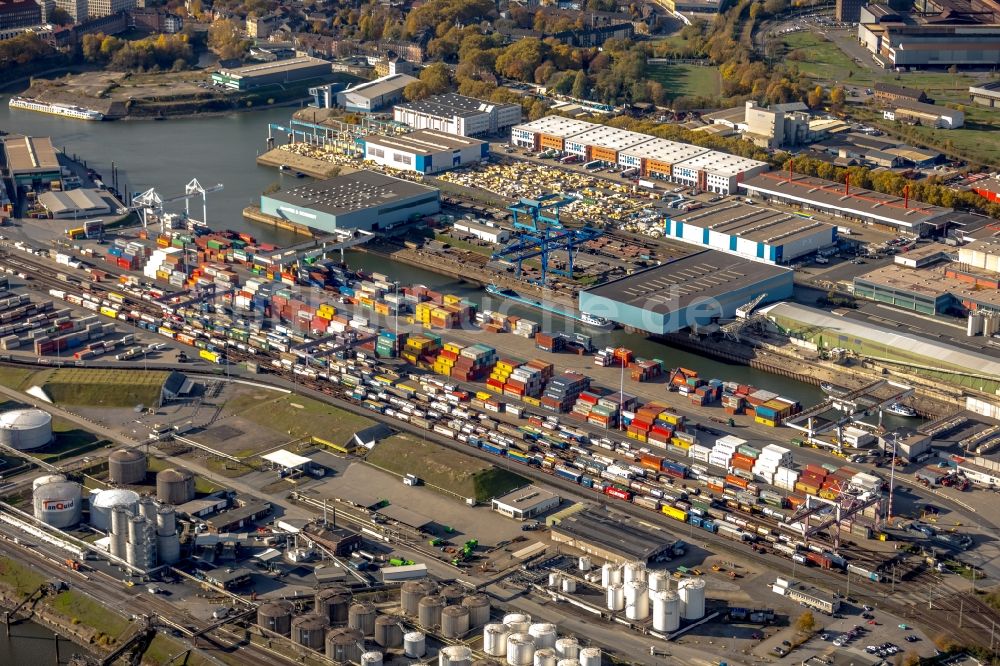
[31, 643]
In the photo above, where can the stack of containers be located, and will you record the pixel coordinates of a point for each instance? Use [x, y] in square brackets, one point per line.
[607, 411]
[682, 376]
[584, 405]
[643, 371]
[550, 343]
[162, 262]
[741, 464]
[622, 357]
[771, 458]
[388, 344]
[733, 403]
[643, 419]
[474, 362]
[660, 434]
[699, 453]
[811, 480]
[500, 375]
[524, 328]
[681, 441]
[707, 394]
[446, 358]
[563, 390]
[723, 450]
[422, 350]
[525, 381]
[785, 477]
[604, 357]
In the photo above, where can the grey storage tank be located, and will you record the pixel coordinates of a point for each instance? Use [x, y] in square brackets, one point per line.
[332, 603]
[57, 502]
[453, 594]
[148, 508]
[479, 609]
[175, 486]
[361, 616]
[388, 632]
[344, 644]
[127, 466]
[276, 616]
[25, 429]
[412, 592]
[454, 621]
[429, 611]
[310, 630]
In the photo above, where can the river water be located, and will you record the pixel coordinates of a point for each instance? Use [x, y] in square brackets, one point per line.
[31, 643]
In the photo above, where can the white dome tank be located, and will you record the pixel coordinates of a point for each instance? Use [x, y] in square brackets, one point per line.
[567, 648]
[584, 563]
[103, 502]
[520, 650]
[692, 595]
[455, 655]
[568, 585]
[590, 656]
[666, 611]
[554, 579]
[25, 429]
[544, 657]
[636, 601]
[517, 622]
[414, 644]
[544, 634]
[47, 478]
[58, 502]
[657, 580]
[616, 598]
[495, 639]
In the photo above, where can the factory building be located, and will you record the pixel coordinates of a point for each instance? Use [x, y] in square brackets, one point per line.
[841, 200]
[526, 503]
[983, 254]
[362, 200]
[376, 95]
[986, 94]
[73, 204]
[458, 114]
[754, 232]
[612, 537]
[484, 231]
[31, 160]
[952, 288]
[294, 70]
[425, 151]
[928, 115]
[697, 291]
[547, 133]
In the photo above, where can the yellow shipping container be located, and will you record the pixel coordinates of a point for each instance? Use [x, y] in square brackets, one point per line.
[451, 299]
[763, 421]
[483, 395]
[382, 308]
[534, 402]
[453, 347]
[680, 443]
[506, 367]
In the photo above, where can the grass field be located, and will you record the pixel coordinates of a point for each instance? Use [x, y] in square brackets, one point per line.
[437, 466]
[101, 388]
[686, 80]
[21, 579]
[90, 613]
[69, 440]
[14, 378]
[298, 416]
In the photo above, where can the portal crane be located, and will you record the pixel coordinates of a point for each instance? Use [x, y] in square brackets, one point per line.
[150, 201]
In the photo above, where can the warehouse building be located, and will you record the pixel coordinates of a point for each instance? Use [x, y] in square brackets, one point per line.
[458, 114]
[928, 115]
[74, 204]
[294, 70]
[840, 200]
[547, 133]
[697, 291]
[31, 160]
[932, 357]
[484, 231]
[362, 200]
[526, 503]
[656, 158]
[754, 232]
[613, 537]
[951, 288]
[982, 254]
[986, 94]
[716, 172]
[425, 151]
[376, 95]
[603, 143]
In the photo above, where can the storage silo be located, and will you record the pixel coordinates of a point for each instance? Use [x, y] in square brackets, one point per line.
[344, 644]
[634, 571]
[666, 611]
[25, 429]
[166, 520]
[495, 639]
[453, 594]
[276, 616]
[429, 611]
[658, 580]
[361, 616]
[479, 609]
[103, 502]
[636, 600]
[47, 478]
[518, 622]
[568, 585]
[692, 594]
[454, 621]
[584, 563]
[310, 630]
[371, 658]
[615, 598]
[567, 648]
[544, 657]
[414, 644]
[544, 634]
[520, 649]
[590, 656]
[412, 592]
[120, 518]
[175, 485]
[611, 574]
[332, 603]
[148, 508]
[58, 503]
[388, 632]
[455, 655]
[127, 466]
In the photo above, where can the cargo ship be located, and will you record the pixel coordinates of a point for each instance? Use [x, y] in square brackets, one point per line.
[586, 319]
[899, 409]
[54, 108]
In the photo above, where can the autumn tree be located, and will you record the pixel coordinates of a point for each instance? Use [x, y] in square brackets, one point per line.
[225, 38]
[436, 78]
[837, 97]
[815, 98]
[806, 623]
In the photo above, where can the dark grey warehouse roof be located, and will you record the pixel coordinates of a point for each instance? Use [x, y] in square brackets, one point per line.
[345, 194]
[451, 105]
[614, 533]
[677, 284]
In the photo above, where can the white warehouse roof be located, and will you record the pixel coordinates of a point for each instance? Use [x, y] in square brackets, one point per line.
[722, 164]
[557, 126]
[662, 150]
[612, 138]
[287, 459]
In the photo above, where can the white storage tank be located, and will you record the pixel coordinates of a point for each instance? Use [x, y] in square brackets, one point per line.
[102, 502]
[567, 648]
[455, 655]
[611, 574]
[47, 478]
[518, 623]
[545, 657]
[414, 644]
[616, 598]
[636, 600]
[666, 611]
[520, 650]
[634, 571]
[590, 656]
[658, 580]
[544, 634]
[584, 563]
[58, 503]
[25, 429]
[554, 579]
[692, 595]
[495, 639]
[569, 585]
[372, 658]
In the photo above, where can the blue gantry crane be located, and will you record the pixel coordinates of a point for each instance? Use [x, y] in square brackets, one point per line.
[538, 232]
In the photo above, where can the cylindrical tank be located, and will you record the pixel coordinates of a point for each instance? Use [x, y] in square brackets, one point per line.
[495, 639]
[479, 609]
[568, 585]
[388, 633]
[102, 502]
[58, 503]
[127, 466]
[372, 658]
[455, 655]
[175, 485]
[120, 518]
[487, 662]
[429, 611]
[636, 600]
[454, 621]
[568, 662]
[544, 657]
[310, 630]
[452, 594]
[147, 509]
[412, 592]
[276, 616]
[414, 644]
[520, 649]
[168, 548]
[137, 529]
[666, 611]
[554, 579]
[333, 602]
[344, 644]
[590, 656]
[25, 429]
[47, 478]
[544, 634]
[634, 571]
[611, 574]
[567, 648]
[692, 595]
[657, 580]
[584, 563]
[166, 520]
[361, 616]
[616, 598]
[517, 622]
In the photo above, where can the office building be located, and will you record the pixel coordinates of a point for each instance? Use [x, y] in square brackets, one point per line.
[887, 94]
[19, 14]
[774, 127]
[848, 11]
[458, 114]
[425, 151]
[99, 8]
[376, 95]
[75, 8]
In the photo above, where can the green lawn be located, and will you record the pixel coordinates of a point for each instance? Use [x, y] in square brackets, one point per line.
[21, 579]
[14, 377]
[298, 416]
[820, 58]
[90, 613]
[101, 388]
[459, 244]
[437, 466]
[686, 80]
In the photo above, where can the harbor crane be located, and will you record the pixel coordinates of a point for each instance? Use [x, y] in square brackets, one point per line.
[847, 504]
[150, 201]
[745, 318]
[539, 233]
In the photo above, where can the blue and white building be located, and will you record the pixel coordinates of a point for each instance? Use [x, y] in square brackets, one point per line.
[425, 151]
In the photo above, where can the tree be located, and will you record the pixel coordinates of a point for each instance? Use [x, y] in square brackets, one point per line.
[59, 16]
[580, 85]
[806, 622]
[837, 97]
[225, 38]
[520, 59]
[755, 10]
[953, 69]
[436, 79]
[815, 99]
[416, 90]
[911, 659]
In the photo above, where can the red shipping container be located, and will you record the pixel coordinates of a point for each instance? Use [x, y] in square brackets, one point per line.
[736, 481]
